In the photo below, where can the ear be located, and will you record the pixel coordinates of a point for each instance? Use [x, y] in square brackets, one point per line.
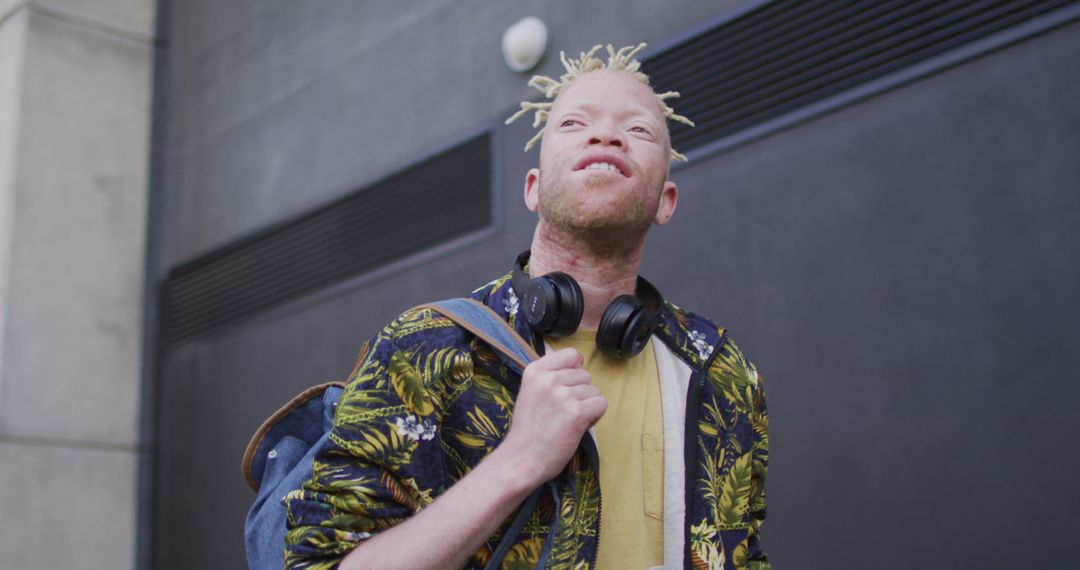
[669, 198]
[532, 189]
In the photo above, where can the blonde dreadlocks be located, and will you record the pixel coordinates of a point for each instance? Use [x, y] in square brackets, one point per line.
[622, 60]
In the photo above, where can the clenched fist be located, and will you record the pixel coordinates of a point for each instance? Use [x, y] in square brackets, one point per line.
[556, 405]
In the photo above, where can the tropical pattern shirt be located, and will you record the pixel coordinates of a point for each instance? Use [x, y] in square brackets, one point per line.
[428, 401]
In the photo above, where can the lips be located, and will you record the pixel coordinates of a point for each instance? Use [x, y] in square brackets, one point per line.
[603, 162]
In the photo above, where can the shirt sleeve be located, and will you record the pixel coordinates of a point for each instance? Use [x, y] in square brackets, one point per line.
[759, 419]
[380, 464]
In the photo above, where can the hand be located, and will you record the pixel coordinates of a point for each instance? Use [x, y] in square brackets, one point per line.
[556, 405]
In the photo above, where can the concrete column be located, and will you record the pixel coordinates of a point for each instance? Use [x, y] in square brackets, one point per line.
[75, 94]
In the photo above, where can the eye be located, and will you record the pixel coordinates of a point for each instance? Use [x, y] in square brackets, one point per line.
[569, 122]
[639, 129]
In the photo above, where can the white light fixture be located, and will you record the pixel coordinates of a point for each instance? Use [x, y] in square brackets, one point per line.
[524, 43]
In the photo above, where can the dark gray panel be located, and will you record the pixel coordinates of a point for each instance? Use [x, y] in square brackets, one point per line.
[905, 273]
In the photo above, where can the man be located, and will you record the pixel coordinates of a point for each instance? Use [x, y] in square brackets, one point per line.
[656, 445]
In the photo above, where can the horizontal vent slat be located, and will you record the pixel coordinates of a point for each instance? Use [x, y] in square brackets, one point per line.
[789, 54]
[432, 202]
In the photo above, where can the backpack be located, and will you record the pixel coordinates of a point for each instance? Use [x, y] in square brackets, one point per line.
[280, 456]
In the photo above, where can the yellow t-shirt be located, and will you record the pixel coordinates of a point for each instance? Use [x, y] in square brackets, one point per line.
[630, 440]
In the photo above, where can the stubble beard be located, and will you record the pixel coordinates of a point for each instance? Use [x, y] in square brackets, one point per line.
[607, 229]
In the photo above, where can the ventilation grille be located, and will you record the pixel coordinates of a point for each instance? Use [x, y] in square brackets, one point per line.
[788, 54]
[442, 198]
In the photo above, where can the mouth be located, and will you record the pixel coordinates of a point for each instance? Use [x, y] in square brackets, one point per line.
[603, 163]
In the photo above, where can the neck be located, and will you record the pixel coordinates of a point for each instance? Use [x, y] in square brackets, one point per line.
[603, 268]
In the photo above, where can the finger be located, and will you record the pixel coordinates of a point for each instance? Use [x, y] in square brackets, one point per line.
[559, 359]
[572, 376]
[582, 391]
[593, 409]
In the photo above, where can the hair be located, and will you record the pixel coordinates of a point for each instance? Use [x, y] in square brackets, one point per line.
[621, 60]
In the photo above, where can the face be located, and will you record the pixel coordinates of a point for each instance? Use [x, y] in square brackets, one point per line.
[603, 158]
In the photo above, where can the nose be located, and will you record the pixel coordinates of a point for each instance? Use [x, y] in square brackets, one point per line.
[606, 136]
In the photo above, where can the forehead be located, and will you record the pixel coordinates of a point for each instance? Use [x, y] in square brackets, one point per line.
[615, 91]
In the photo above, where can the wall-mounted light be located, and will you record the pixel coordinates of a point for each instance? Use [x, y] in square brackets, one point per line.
[524, 43]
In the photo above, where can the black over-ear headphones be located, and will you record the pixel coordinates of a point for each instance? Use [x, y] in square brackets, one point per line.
[553, 305]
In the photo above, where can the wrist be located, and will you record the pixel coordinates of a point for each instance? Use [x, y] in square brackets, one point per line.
[517, 473]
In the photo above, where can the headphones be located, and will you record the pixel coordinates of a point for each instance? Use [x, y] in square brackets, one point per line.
[554, 304]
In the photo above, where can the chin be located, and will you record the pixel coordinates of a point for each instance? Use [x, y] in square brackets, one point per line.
[600, 213]
[610, 225]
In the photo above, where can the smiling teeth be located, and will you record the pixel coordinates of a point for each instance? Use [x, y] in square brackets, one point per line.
[602, 166]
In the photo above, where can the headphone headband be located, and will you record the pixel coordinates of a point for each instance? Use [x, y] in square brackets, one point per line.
[553, 305]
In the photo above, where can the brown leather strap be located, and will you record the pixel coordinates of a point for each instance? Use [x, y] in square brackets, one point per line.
[253, 445]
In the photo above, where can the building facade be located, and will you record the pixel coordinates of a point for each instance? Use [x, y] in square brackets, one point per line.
[882, 203]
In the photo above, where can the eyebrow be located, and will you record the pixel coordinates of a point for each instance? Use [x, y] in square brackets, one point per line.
[635, 111]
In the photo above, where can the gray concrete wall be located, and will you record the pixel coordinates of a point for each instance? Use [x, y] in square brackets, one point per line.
[903, 272]
[275, 106]
[74, 145]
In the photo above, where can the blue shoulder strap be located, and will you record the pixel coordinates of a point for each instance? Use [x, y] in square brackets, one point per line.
[480, 320]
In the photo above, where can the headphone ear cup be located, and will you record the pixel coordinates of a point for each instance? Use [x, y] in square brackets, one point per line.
[569, 307]
[625, 327]
[539, 300]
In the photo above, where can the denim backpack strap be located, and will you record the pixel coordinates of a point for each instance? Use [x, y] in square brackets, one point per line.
[486, 324]
[518, 523]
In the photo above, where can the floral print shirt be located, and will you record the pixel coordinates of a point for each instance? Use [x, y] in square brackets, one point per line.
[428, 401]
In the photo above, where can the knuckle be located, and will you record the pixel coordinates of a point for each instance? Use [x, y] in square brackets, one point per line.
[539, 377]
